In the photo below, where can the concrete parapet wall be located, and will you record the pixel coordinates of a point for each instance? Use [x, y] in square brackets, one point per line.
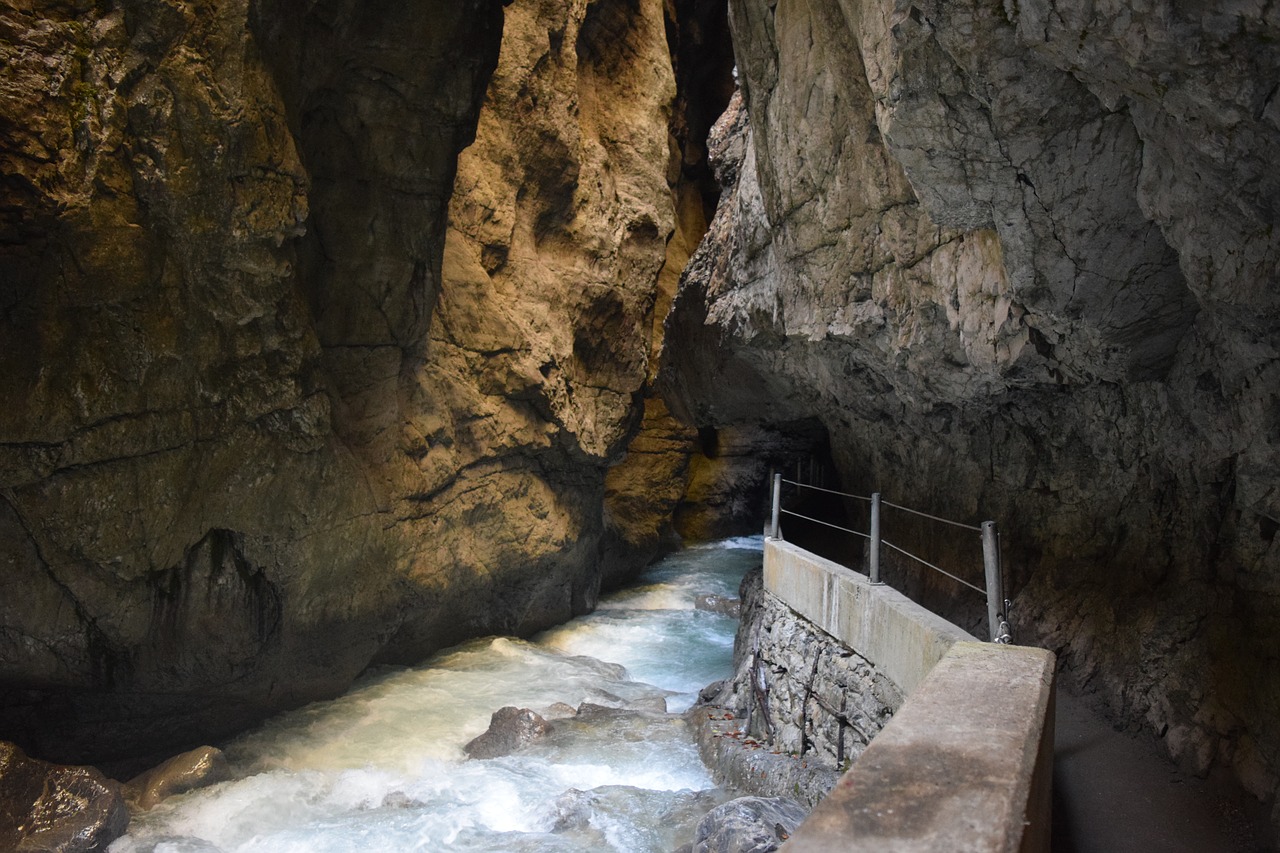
[966, 763]
[902, 639]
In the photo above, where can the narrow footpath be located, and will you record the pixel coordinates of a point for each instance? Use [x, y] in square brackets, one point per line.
[1114, 793]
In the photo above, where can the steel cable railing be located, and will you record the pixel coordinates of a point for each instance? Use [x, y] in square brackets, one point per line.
[997, 607]
[925, 562]
[933, 517]
[828, 491]
[829, 524]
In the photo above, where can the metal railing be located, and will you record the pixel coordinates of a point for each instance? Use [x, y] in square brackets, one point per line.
[997, 605]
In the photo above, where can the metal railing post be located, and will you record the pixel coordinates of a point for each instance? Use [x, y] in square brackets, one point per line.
[777, 506]
[995, 587]
[874, 560]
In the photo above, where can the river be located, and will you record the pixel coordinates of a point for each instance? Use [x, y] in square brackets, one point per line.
[383, 769]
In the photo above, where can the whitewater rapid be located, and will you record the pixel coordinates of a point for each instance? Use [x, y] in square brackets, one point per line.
[383, 769]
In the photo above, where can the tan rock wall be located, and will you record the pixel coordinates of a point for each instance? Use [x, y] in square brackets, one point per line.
[539, 350]
[265, 418]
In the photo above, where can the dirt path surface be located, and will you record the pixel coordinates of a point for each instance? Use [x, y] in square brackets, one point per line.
[1113, 793]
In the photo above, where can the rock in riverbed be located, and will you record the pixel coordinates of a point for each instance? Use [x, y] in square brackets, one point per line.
[713, 603]
[748, 825]
[54, 808]
[509, 729]
[205, 765]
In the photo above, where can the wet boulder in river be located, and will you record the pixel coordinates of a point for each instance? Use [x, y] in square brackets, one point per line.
[748, 825]
[55, 808]
[204, 765]
[510, 729]
[559, 711]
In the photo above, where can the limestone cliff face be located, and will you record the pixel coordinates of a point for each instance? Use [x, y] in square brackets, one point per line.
[540, 346]
[1021, 260]
[265, 417]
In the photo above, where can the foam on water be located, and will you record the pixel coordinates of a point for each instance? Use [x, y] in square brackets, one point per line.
[382, 768]
[736, 543]
[680, 651]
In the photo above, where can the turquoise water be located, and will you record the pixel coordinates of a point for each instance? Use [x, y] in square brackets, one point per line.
[383, 769]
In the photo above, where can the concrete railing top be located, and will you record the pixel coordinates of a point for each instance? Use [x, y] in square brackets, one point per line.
[903, 639]
[965, 764]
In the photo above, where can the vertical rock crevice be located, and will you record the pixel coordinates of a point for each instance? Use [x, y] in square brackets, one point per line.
[645, 485]
[556, 233]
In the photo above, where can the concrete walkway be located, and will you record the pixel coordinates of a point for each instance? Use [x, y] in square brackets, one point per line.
[1114, 793]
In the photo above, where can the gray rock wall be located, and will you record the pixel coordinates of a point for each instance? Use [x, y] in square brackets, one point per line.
[1021, 261]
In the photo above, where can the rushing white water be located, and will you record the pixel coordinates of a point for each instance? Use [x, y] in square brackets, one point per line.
[383, 767]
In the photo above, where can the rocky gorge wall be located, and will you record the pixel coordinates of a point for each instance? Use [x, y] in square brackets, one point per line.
[1020, 260]
[281, 398]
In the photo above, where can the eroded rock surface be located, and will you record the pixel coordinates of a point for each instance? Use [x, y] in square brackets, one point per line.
[728, 490]
[1021, 261]
[650, 481]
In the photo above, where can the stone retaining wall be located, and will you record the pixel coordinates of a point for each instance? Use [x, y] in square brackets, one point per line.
[801, 691]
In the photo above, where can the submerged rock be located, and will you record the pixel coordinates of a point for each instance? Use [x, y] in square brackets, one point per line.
[205, 765]
[748, 825]
[54, 808]
[713, 603]
[573, 811]
[510, 729]
[559, 711]
[676, 814]
[602, 699]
